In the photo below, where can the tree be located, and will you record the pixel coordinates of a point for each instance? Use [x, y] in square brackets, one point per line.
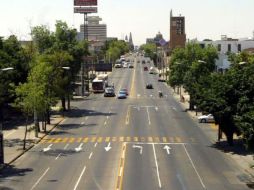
[150, 50]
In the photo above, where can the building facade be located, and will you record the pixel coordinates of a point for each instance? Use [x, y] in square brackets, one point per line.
[228, 45]
[177, 31]
[95, 30]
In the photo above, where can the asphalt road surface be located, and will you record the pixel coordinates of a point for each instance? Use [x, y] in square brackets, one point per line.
[140, 143]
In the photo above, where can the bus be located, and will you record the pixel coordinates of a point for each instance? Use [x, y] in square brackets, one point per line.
[100, 83]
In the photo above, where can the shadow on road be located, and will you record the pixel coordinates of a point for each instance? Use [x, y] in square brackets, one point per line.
[75, 113]
[10, 171]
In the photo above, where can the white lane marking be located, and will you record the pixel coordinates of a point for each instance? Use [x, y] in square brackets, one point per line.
[58, 156]
[95, 144]
[156, 108]
[149, 121]
[66, 146]
[90, 156]
[167, 148]
[105, 123]
[108, 147]
[83, 171]
[108, 116]
[38, 181]
[200, 179]
[86, 118]
[139, 147]
[79, 148]
[48, 148]
[9, 134]
[82, 123]
[157, 168]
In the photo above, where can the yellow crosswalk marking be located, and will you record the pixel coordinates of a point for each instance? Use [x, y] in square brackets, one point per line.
[114, 139]
[86, 139]
[128, 139]
[57, 140]
[107, 139]
[51, 140]
[121, 139]
[93, 139]
[64, 140]
[135, 139]
[44, 141]
[178, 139]
[150, 139]
[72, 140]
[99, 140]
[164, 139]
[79, 140]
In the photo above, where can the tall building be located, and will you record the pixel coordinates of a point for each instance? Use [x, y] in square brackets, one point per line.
[131, 45]
[177, 31]
[96, 31]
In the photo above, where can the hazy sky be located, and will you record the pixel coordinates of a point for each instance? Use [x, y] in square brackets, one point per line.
[144, 18]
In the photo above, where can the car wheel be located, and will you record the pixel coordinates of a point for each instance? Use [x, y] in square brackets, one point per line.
[203, 121]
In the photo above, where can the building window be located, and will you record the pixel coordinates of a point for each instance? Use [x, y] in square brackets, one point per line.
[219, 47]
[229, 47]
[239, 47]
[202, 46]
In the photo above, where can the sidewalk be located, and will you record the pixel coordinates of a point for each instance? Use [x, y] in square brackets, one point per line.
[13, 139]
[243, 158]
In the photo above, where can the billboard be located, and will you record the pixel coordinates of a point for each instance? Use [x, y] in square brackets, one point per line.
[85, 9]
[85, 2]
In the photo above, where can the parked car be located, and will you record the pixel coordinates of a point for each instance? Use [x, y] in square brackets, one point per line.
[121, 95]
[145, 68]
[206, 118]
[109, 92]
[143, 62]
[131, 66]
[149, 86]
[161, 80]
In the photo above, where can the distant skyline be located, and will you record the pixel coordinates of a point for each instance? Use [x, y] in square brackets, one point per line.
[205, 19]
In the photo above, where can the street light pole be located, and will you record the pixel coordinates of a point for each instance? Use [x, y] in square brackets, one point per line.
[1, 125]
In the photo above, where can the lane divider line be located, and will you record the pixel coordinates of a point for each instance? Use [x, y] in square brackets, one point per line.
[156, 164]
[121, 168]
[90, 156]
[199, 177]
[38, 181]
[77, 183]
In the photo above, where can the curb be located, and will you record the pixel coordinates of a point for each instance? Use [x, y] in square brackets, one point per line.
[31, 146]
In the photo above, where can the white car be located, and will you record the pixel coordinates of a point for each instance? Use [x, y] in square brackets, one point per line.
[206, 118]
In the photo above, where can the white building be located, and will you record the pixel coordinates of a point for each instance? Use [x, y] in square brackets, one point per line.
[227, 45]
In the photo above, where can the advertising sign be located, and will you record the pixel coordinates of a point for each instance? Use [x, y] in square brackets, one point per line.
[85, 9]
[85, 2]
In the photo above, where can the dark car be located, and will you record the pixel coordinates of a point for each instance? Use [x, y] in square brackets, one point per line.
[145, 68]
[149, 86]
[143, 62]
[109, 92]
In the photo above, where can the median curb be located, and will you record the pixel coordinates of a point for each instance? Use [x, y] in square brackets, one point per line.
[31, 146]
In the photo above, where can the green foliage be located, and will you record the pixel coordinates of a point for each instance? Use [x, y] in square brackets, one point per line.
[150, 50]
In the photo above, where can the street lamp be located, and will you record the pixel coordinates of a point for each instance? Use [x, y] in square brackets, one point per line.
[66, 68]
[201, 61]
[242, 63]
[1, 125]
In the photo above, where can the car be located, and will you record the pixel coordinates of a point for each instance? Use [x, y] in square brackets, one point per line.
[125, 65]
[118, 65]
[148, 61]
[138, 61]
[131, 66]
[125, 90]
[206, 118]
[143, 62]
[149, 86]
[109, 92]
[145, 68]
[161, 80]
[121, 95]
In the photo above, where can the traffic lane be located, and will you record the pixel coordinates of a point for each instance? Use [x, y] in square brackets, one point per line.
[102, 167]
[217, 170]
[25, 171]
[140, 171]
[69, 163]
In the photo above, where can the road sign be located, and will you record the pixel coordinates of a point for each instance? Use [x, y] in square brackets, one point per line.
[85, 9]
[85, 3]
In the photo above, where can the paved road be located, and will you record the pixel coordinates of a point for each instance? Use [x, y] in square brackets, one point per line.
[141, 143]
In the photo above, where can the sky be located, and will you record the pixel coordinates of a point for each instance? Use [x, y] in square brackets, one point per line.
[205, 19]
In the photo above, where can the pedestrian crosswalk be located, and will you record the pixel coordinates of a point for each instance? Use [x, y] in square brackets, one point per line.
[94, 139]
